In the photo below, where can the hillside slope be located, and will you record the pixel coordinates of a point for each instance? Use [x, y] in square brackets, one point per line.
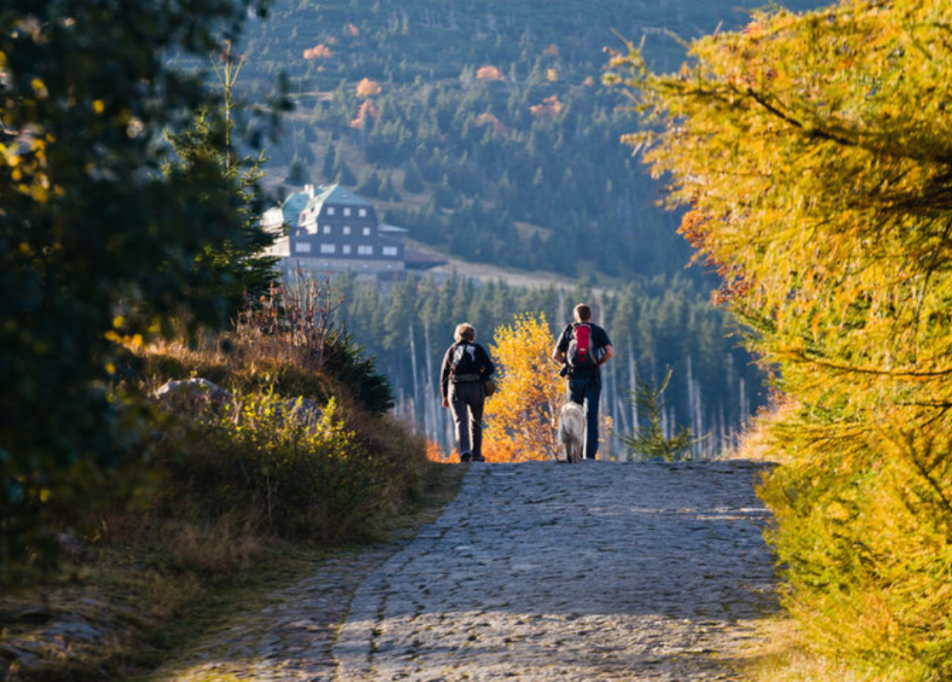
[483, 127]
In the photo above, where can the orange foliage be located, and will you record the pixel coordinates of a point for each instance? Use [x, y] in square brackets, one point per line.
[552, 75]
[496, 450]
[434, 453]
[588, 82]
[521, 416]
[490, 73]
[550, 107]
[367, 110]
[489, 119]
[551, 51]
[695, 228]
[353, 30]
[368, 88]
[318, 52]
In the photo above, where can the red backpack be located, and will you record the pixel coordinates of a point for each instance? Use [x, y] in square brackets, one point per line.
[580, 352]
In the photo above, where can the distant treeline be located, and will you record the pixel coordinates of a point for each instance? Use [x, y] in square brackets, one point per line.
[653, 323]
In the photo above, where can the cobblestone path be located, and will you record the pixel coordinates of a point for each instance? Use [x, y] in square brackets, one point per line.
[542, 571]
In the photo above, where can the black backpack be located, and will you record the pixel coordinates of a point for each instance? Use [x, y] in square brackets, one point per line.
[581, 352]
[463, 361]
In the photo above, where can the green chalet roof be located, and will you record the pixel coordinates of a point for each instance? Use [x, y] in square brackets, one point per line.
[338, 196]
[293, 206]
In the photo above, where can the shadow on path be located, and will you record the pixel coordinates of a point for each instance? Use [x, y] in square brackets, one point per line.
[600, 571]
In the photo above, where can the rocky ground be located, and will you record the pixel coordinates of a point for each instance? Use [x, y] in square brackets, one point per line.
[541, 571]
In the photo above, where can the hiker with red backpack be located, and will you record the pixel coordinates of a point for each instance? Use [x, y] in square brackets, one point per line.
[466, 368]
[582, 348]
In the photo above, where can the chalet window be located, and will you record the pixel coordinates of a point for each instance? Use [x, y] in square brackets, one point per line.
[390, 250]
[362, 212]
[346, 249]
[365, 250]
[327, 229]
[328, 248]
[366, 231]
[346, 229]
[346, 211]
[330, 210]
[302, 247]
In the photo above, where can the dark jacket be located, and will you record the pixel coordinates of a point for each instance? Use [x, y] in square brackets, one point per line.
[484, 366]
[599, 341]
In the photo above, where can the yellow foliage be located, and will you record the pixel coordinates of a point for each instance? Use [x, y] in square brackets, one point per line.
[815, 154]
[26, 162]
[39, 88]
[521, 416]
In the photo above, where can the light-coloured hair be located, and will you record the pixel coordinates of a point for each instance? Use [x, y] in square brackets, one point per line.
[465, 332]
[583, 313]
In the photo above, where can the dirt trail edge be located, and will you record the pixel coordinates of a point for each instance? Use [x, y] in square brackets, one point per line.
[541, 571]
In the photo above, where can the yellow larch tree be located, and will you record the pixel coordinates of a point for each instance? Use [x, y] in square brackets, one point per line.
[522, 415]
[814, 153]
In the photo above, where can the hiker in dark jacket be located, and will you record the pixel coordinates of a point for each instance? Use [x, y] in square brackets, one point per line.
[466, 366]
[584, 378]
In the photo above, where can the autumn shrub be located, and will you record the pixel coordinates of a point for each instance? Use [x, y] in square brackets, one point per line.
[521, 417]
[292, 478]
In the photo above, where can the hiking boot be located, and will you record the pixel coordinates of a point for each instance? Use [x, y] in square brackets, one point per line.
[479, 458]
[466, 458]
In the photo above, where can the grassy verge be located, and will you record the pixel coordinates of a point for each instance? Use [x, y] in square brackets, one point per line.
[787, 657]
[225, 492]
[150, 606]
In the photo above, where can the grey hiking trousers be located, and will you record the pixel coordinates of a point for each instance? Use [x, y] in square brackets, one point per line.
[466, 401]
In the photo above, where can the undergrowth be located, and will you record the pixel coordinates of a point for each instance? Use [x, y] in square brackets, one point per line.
[227, 498]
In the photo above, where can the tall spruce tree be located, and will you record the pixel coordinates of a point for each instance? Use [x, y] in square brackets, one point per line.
[92, 234]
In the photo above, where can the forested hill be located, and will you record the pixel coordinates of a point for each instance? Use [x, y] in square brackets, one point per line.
[482, 126]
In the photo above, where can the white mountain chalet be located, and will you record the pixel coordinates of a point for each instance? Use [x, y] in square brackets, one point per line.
[331, 229]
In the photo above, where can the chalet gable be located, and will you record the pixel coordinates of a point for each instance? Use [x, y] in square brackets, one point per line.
[335, 209]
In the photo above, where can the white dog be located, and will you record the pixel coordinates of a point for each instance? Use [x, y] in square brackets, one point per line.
[572, 430]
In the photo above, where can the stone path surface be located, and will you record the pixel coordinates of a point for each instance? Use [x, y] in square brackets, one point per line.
[539, 571]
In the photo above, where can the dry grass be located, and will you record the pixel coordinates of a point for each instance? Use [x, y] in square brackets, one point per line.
[219, 547]
[786, 657]
[757, 443]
